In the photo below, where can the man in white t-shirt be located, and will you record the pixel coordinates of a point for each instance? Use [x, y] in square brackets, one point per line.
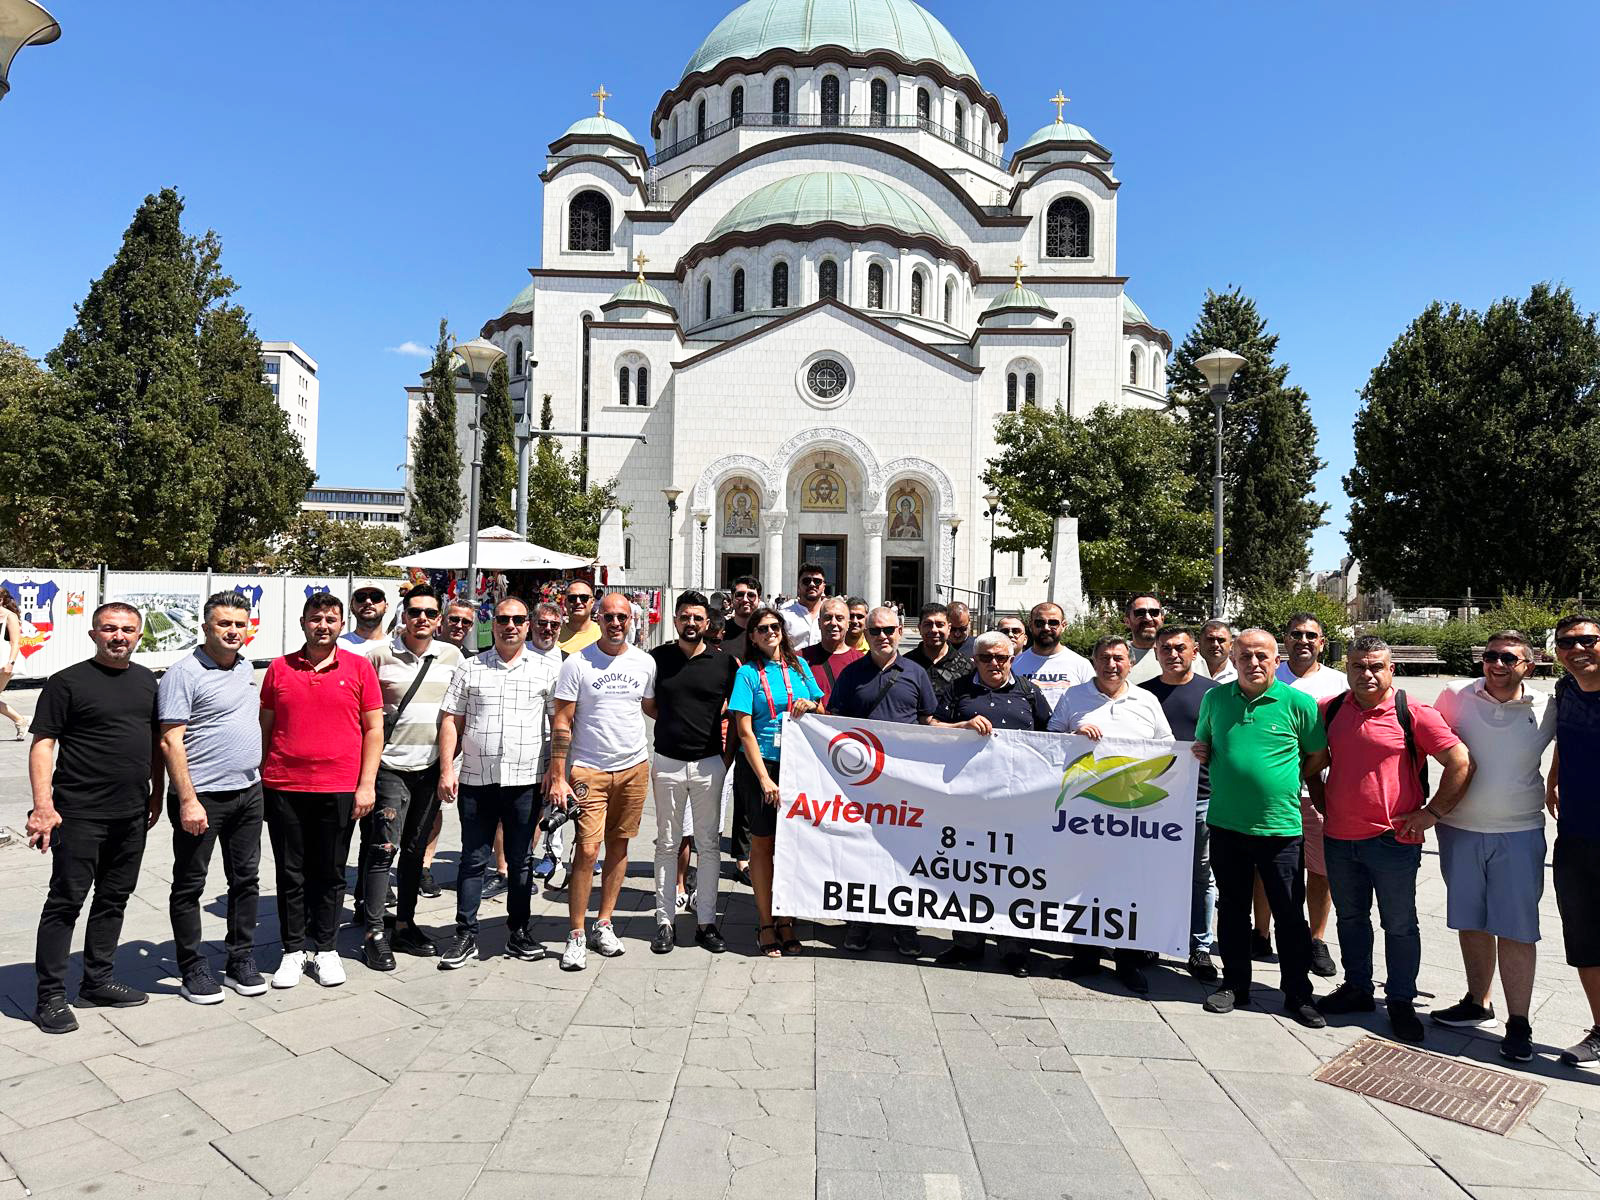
[597, 736]
[1303, 671]
[1491, 844]
[1052, 667]
[800, 617]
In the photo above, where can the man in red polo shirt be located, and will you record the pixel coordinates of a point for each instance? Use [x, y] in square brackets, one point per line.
[322, 737]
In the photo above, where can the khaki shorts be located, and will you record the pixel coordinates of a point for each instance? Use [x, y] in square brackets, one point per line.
[610, 803]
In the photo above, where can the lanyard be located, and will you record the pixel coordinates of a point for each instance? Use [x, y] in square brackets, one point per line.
[788, 692]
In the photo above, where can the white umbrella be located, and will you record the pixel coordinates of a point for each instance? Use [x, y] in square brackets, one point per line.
[499, 549]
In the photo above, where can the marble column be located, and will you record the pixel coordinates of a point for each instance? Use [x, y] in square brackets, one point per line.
[772, 564]
[872, 525]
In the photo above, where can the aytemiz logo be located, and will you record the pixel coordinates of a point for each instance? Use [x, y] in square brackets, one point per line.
[856, 752]
[1119, 782]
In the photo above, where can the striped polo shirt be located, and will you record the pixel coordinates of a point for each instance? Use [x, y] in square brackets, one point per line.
[413, 744]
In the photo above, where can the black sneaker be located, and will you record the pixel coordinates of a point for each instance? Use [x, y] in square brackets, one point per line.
[427, 885]
[376, 954]
[112, 994]
[1201, 966]
[54, 1015]
[1347, 998]
[522, 947]
[709, 937]
[1260, 946]
[664, 940]
[1404, 1021]
[494, 888]
[1305, 1013]
[1131, 975]
[959, 956]
[456, 950]
[907, 944]
[857, 934]
[1586, 1053]
[1223, 1000]
[200, 986]
[1465, 1014]
[1321, 961]
[1517, 1045]
[241, 975]
[408, 939]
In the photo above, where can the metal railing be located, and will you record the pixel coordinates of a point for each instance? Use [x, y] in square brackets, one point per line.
[891, 123]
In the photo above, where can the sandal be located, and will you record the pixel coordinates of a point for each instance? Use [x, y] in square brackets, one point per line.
[772, 949]
[791, 944]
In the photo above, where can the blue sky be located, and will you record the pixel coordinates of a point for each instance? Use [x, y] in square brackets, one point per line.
[373, 167]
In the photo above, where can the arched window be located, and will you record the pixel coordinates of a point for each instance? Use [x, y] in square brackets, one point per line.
[738, 290]
[950, 302]
[1011, 392]
[830, 99]
[706, 306]
[589, 222]
[1030, 388]
[780, 285]
[875, 286]
[780, 102]
[516, 357]
[828, 280]
[622, 386]
[736, 106]
[924, 108]
[880, 102]
[643, 394]
[700, 119]
[1066, 229]
[918, 288]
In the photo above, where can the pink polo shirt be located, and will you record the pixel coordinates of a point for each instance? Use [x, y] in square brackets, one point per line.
[1371, 784]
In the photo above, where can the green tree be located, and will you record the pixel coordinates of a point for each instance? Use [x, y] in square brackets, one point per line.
[499, 472]
[1477, 452]
[563, 515]
[436, 461]
[1269, 456]
[316, 544]
[1121, 473]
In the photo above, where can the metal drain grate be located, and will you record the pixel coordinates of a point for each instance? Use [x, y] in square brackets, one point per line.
[1430, 1083]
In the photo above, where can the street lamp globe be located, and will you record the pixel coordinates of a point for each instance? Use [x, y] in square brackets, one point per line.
[22, 23]
[1219, 367]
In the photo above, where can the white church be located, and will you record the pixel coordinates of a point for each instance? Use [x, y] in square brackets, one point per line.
[814, 289]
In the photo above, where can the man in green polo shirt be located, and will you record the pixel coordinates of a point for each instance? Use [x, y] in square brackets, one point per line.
[1254, 735]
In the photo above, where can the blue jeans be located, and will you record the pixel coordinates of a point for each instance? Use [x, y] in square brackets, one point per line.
[1357, 870]
[1203, 901]
[483, 810]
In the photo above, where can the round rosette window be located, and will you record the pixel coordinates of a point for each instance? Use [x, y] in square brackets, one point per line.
[825, 380]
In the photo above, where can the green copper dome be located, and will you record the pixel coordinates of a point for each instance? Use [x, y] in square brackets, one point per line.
[1017, 297]
[637, 291]
[599, 127]
[1058, 131]
[899, 26]
[1132, 314]
[819, 196]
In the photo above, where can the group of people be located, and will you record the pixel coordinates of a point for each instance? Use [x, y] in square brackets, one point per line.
[1314, 799]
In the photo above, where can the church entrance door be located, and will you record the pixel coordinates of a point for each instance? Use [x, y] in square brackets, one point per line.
[829, 554]
[905, 585]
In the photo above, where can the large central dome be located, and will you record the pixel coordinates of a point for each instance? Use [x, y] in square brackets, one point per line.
[860, 26]
[821, 196]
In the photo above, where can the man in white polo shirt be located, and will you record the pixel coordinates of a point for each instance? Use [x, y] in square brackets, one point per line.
[1491, 845]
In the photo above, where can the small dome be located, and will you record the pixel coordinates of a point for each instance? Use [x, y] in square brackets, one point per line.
[1058, 131]
[900, 26]
[600, 127]
[637, 291]
[819, 196]
[1017, 297]
[1132, 314]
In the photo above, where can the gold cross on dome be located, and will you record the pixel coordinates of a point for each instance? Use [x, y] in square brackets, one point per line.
[1017, 267]
[602, 96]
[1061, 103]
[639, 261]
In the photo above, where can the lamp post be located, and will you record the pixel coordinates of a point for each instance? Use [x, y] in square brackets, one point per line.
[480, 356]
[1219, 368]
[992, 499]
[22, 23]
[702, 517]
[672, 494]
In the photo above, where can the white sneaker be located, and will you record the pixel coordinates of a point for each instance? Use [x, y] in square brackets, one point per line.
[603, 939]
[290, 968]
[575, 957]
[327, 968]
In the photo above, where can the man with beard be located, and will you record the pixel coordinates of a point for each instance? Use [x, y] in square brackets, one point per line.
[1052, 667]
[936, 655]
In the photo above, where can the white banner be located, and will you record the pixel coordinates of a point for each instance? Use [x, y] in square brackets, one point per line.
[1037, 835]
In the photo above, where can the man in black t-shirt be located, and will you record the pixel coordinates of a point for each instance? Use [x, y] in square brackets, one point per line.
[1180, 689]
[693, 682]
[96, 773]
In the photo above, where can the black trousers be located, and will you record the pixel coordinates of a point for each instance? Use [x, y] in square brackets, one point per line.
[310, 834]
[397, 827]
[233, 818]
[1236, 860]
[85, 853]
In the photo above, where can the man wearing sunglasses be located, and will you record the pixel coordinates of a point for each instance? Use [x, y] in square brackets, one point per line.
[1573, 795]
[368, 605]
[1491, 845]
[1052, 667]
[414, 670]
[580, 628]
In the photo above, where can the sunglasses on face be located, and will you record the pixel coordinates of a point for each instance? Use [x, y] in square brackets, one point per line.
[994, 658]
[430, 613]
[1572, 641]
[766, 628]
[1147, 612]
[517, 619]
[1504, 657]
[1303, 635]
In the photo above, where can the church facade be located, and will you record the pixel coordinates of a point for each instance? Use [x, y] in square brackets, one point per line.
[814, 291]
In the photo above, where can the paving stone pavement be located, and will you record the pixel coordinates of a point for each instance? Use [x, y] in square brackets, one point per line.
[695, 1076]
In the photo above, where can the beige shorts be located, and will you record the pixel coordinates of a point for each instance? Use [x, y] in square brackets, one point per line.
[610, 803]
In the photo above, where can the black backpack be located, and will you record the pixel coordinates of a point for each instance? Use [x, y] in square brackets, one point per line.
[1402, 714]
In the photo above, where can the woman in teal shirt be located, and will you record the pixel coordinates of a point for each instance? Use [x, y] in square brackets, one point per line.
[773, 682]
